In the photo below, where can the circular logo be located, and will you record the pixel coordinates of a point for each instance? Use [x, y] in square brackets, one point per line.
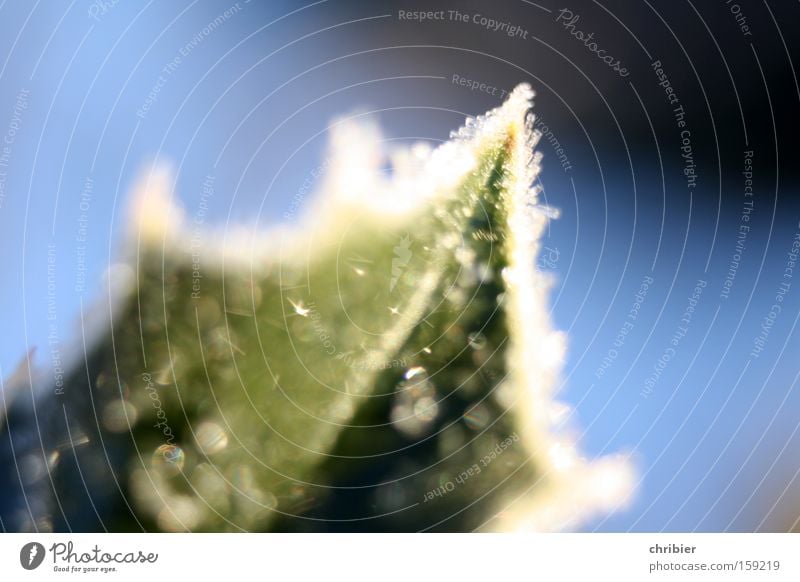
[31, 555]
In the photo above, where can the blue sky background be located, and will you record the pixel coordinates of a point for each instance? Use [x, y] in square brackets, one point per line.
[715, 442]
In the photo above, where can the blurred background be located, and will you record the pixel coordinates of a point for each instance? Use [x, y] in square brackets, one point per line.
[669, 150]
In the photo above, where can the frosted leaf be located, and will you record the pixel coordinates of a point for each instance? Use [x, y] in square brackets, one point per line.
[398, 333]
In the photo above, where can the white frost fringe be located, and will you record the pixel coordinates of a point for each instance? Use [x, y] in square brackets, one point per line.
[572, 489]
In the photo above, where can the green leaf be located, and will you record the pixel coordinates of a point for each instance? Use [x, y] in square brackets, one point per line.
[389, 364]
